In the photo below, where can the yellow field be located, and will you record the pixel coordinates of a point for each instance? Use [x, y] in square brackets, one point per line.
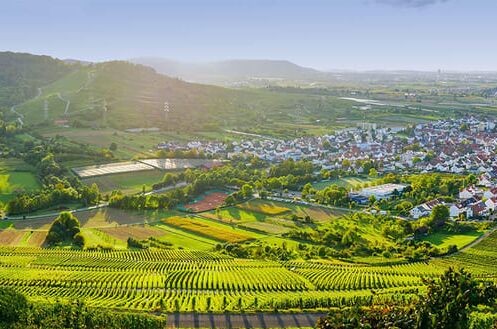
[265, 207]
[219, 233]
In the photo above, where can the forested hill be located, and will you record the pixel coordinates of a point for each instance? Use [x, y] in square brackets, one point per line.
[22, 74]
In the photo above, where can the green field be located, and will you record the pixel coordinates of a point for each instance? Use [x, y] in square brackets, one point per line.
[444, 239]
[16, 176]
[126, 182]
[347, 182]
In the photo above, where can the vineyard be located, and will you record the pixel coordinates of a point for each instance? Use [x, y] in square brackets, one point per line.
[185, 280]
[179, 280]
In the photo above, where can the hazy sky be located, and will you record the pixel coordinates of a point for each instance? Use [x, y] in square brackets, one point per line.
[325, 34]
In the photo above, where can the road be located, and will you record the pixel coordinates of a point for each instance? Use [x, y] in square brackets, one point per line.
[68, 103]
[99, 206]
[20, 116]
[257, 320]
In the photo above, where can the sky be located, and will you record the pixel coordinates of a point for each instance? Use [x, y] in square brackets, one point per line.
[324, 34]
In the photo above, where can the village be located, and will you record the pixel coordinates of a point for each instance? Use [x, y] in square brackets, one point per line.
[456, 146]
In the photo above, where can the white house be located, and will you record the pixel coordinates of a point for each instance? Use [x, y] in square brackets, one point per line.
[424, 209]
[468, 192]
[491, 203]
[456, 209]
[484, 180]
[490, 193]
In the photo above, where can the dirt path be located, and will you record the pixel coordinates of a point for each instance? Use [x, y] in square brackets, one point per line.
[68, 103]
[257, 320]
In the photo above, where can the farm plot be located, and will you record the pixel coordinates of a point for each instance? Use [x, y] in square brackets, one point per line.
[265, 207]
[206, 201]
[347, 182]
[11, 237]
[16, 176]
[111, 168]
[266, 227]
[126, 182]
[217, 232]
[139, 232]
[234, 214]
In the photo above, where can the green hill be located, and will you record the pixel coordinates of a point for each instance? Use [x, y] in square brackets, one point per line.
[22, 74]
[123, 95]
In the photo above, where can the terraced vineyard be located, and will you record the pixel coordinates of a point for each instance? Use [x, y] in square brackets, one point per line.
[181, 280]
[187, 280]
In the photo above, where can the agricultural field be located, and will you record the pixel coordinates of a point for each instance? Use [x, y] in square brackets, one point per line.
[347, 182]
[215, 231]
[182, 280]
[264, 207]
[206, 201]
[128, 183]
[16, 176]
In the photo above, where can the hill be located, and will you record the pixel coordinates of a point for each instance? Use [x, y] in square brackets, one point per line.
[123, 95]
[231, 71]
[22, 74]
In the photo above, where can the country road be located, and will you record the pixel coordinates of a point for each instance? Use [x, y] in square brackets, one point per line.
[254, 320]
[68, 103]
[20, 116]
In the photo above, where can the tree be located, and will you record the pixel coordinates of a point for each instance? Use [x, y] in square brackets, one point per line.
[113, 146]
[12, 305]
[64, 229]
[449, 300]
[439, 215]
[373, 173]
[247, 191]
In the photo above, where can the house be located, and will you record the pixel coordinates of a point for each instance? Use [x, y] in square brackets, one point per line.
[490, 193]
[456, 209]
[478, 209]
[424, 209]
[485, 180]
[468, 192]
[491, 203]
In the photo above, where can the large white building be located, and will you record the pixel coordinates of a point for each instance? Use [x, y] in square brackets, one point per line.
[384, 191]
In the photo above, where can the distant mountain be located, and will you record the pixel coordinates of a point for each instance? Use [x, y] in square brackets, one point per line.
[22, 74]
[230, 71]
[76, 61]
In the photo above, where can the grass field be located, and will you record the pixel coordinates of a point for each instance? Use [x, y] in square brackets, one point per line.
[444, 239]
[126, 182]
[264, 207]
[347, 182]
[16, 176]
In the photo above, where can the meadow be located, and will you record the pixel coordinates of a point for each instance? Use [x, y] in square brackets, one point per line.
[16, 176]
[128, 183]
[347, 182]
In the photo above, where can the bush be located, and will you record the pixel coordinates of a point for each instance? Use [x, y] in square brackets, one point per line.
[12, 305]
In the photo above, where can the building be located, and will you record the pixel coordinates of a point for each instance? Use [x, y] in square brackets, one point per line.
[424, 210]
[384, 191]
